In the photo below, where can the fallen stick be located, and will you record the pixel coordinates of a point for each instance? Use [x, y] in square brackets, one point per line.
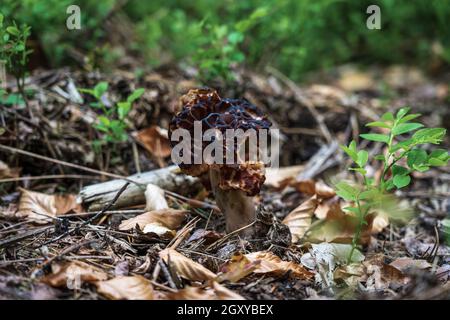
[96, 196]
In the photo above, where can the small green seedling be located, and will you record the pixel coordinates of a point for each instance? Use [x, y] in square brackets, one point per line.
[14, 53]
[112, 120]
[404, 155]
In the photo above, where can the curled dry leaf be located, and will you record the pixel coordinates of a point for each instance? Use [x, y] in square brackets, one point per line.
[273, 265]
[168, 218]
[126, 288]
[406, 264]
[209, 236]
[155, 140]
[159, 230]
[237, 268]
[299, 220]
[185, 267]
[351, 274]
[281, 177]
[154, 198]
[381, 275]
[66, 274]
[39, 207]
[310, 187]
[214, 292]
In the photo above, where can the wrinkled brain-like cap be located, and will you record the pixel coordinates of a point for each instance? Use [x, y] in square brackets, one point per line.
[207, 106]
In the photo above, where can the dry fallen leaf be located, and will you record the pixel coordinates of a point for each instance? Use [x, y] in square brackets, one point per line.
[154, 198]
[406, 264]
[272, 264]
[208, 236]
[155, 140]
[280, 177]
[39, 207]
[170, 218]
[67, 274]
[215, 292]
[351, 274]
[299, 219]
[126, 288]
[185, 267]
[237, 268]
[325, 257]
[354, 80]
[382, 275]
[339, 227]
[310, 187]
[7, 172]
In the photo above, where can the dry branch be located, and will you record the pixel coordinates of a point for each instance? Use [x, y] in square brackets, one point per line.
[96, 196]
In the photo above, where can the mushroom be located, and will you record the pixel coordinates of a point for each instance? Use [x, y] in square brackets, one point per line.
[233, 184]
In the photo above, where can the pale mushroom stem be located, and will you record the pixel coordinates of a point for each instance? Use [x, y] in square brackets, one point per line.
[237, 207]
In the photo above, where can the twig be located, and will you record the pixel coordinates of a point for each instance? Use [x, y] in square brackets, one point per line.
[24, 235]
[228, 236]
[167, 274]
[65, 234]
[66, 251]
[54, 176]
[318, 162]
[68, 164]
[300, 98]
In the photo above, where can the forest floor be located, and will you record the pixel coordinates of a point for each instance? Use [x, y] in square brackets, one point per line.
[194, 258]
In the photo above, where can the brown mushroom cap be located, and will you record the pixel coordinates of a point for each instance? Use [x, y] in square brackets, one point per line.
[207, 106]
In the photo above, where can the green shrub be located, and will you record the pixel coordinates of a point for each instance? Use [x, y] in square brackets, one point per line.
[404, 155]
[293, 36]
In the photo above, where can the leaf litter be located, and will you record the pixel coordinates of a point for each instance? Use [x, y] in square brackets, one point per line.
[187, 254]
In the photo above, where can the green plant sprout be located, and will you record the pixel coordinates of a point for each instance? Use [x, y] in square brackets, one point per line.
[403, 156]
[112, 121]
[14, 53]
[219, 46]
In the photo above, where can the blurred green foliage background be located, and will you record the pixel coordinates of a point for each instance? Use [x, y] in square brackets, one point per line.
[294, 36]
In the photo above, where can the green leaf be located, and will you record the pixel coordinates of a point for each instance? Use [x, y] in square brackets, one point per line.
[123, 108]
[369, 194]
[402, 145]
[406, 127]
[416, 157]
[378, 124]
[100, 89]
[88, 91]
[399, 170]
[1, 20]
[390, 185]
[235, 37]
[375, 137]
[20, 47]
[429, 135]
[401, 181]
[350, 150]
[409, 117]
[360, 170]
[421, 168]
[13, 30]
[135, 95]
[362, 158]
[439, 157]
[351, 209]
[380, 157]
[402, 112]
[105, 121]
[346, 191]
[388, 116]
